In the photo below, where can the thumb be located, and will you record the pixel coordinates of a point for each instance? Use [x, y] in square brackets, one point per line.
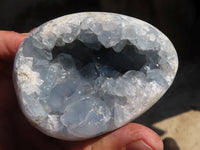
[130, 137]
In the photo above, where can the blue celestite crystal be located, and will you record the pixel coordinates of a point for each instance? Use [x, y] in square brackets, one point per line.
[86, 74]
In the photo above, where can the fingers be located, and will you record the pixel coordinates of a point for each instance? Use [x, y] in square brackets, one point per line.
[9, 43]
[130, 137]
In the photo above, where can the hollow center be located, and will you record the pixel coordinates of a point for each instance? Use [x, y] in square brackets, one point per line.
[105, 61]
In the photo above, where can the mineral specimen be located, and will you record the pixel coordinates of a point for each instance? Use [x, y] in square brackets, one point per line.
[86, 74]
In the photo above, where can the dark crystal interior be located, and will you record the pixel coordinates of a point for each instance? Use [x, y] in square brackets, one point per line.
[127, 59]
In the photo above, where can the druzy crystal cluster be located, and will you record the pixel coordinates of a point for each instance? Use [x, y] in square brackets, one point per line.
[85, 74]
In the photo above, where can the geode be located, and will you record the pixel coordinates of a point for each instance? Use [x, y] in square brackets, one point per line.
[85, 74]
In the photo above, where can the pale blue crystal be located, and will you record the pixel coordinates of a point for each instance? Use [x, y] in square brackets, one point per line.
[85, 116]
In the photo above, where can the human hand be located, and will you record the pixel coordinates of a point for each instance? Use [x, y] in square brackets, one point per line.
[17, 133]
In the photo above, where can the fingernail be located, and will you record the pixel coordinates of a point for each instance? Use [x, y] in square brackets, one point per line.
[24, 33]
[138, 145]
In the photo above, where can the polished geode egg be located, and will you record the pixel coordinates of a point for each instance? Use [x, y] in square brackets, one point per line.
[85, 74]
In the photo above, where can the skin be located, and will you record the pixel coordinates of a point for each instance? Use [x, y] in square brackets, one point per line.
[17, 133]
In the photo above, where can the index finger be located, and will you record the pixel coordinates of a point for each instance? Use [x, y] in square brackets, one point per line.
[9, 43]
